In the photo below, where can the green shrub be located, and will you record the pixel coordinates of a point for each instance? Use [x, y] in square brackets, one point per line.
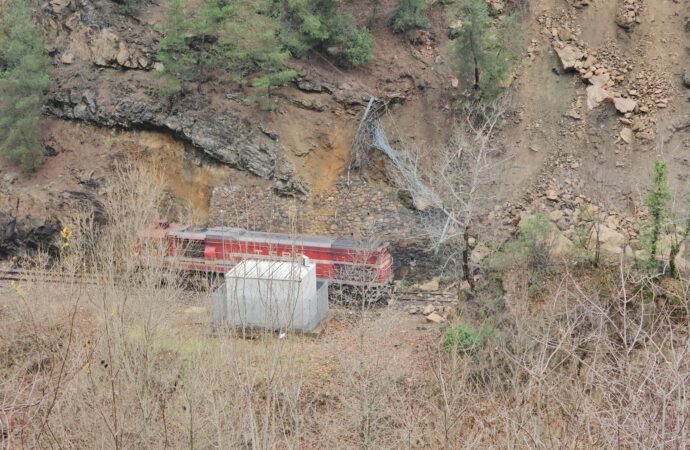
[252, 39]
[264, 83]
[131, 7]
[241, 38]
[530, 252]
[248, 42]
[359, 47]
[23, 80]
[314, 24]
[656, 199]
[531, 248]
[408, 14]
[177, 58]
[464, 338]
[660, 224]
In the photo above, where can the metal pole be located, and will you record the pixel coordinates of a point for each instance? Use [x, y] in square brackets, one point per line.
[222, 238]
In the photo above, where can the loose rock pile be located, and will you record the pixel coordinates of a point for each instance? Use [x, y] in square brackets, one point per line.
[431, 313]
[108, 50]
[634, 91]
[628, 14]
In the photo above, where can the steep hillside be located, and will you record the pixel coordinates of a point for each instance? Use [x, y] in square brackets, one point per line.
[563, 135]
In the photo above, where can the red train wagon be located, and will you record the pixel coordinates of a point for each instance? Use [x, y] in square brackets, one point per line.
[338, 260]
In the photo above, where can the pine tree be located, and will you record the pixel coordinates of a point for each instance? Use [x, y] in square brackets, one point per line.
[312, 24]
[478, 47]
[408, 14]
[24, 76]
[656, 199]
[130, 7]
[248, 45]
[178, 59]
[247, 37]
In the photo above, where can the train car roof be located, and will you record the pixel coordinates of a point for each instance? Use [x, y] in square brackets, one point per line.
[239, 234]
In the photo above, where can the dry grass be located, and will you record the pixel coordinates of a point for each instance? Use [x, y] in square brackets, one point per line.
[598, 360]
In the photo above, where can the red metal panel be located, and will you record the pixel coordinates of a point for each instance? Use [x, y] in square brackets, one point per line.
[374, 264]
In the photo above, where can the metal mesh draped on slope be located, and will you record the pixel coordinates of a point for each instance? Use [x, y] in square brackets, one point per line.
[371, 132]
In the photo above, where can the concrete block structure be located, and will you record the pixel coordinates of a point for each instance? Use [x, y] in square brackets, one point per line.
[276, 295]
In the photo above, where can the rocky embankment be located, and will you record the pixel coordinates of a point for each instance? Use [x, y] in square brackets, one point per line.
[635, 89]
[28, 233]
[106, 75]
[225, 137]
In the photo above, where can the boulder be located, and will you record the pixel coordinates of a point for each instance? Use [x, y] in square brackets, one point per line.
[431, 285]
[496, 7]
[435, 318]
[454, 29]
[479, 253]
[564, 34]
[624, 105]
[686, 78]
[611, 242]
[570, 56]
[665, 244]
[59, 6]
[556, 215]
[626, 18]
[626, 135]
[67, 58]
[561, 246]
[606, 236]
[596, 95]
[10, 177]
[602, 79]
[309, 86]
[104, 48]
[108, 50]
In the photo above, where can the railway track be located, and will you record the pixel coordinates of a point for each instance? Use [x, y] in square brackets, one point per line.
[22, 275]
[424, 297]
[44, 276]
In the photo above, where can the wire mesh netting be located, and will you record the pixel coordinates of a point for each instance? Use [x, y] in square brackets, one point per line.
[370, 134]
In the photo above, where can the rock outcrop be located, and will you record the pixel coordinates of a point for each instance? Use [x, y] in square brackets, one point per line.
[571, 57]
[628, 14]
[108, 50]
[29, 233]
[222, 135]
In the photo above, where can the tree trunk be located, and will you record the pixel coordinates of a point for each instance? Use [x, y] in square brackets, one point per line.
[476, 73]
[466, 259]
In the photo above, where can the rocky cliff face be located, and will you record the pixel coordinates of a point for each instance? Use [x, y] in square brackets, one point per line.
[103, 76]
[221, 135]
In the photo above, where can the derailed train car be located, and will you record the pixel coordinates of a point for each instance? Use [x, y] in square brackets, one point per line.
[217, 249]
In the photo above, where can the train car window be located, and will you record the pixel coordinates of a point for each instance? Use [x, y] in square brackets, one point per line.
[192, 248]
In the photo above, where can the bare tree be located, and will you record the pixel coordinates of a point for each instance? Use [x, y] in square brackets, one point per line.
[450, 184]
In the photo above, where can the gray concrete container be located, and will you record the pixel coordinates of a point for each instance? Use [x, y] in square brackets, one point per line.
[273, 295]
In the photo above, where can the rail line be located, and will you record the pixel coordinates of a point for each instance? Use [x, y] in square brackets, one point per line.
[45, 276]
[23, 275]
[424, 297]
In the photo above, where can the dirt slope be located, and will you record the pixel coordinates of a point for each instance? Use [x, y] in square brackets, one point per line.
[552, 140]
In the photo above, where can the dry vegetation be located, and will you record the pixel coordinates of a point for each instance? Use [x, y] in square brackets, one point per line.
[597, 358]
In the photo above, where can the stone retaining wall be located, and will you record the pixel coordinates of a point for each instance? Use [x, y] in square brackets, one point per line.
[359, 210]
